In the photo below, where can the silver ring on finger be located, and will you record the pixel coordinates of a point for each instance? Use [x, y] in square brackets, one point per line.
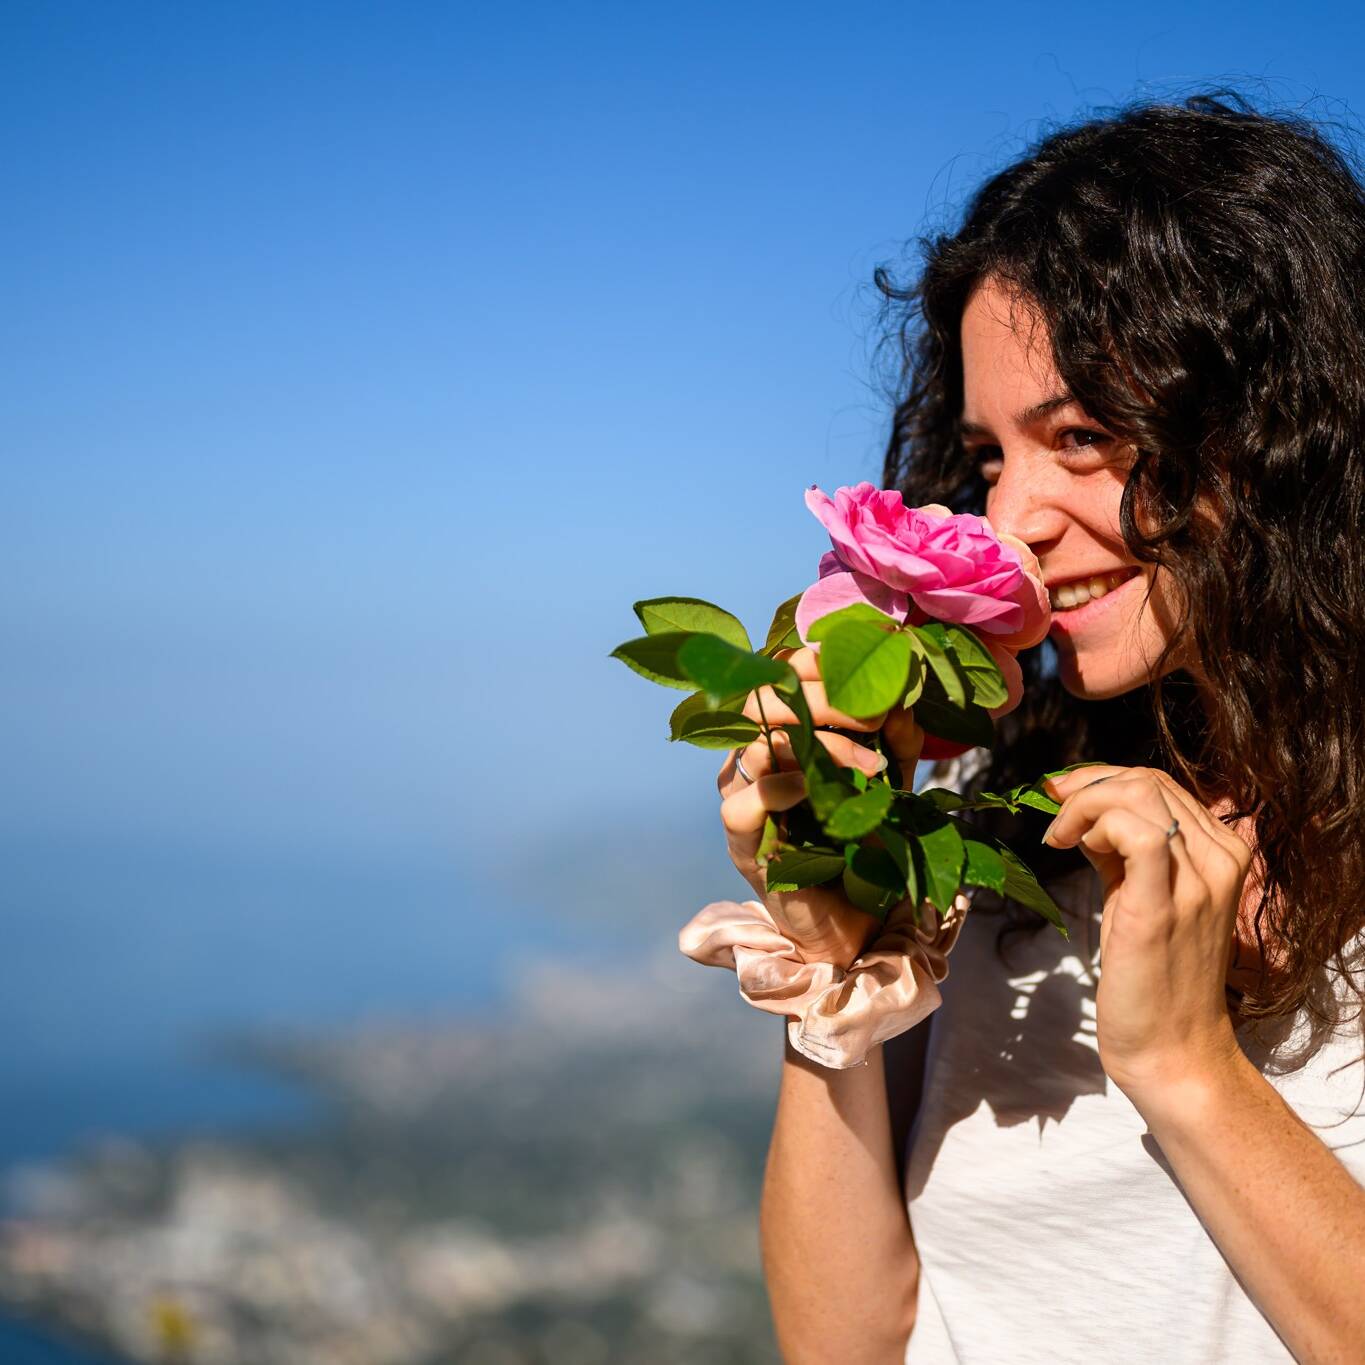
[740, 768]
[1173, 830]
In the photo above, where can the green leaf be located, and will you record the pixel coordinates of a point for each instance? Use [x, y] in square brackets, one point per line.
[876, 865]
[656, 657]
[783, 628]
[964, 723]
[827, 783]
[861, 814]
[951, 678]
[1029, 794]
[688, 707]
[791, 691]
[795, 868]
[770, 843]
[975, 660]
[663, 615]
[719, 730]
[984, 866]
[943, 799]
[1071, 768]
[722, 669]
[960, 724]
[915, 686]
[1022, 886]
[941, 857]
[826, 793]
[697, 705]
[990, 801]
[1032, 793]
[864, 668]
[898, 850]
[820, 628]
[868, 896]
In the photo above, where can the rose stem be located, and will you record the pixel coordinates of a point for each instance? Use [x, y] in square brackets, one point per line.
[767, 730]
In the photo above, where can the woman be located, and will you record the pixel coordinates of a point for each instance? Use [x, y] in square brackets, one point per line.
[1143, 353]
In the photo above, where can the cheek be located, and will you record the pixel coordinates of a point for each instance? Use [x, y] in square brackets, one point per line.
[1094, 503]
[1119, 654]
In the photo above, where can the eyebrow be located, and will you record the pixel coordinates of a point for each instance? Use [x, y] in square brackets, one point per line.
[1024, 418]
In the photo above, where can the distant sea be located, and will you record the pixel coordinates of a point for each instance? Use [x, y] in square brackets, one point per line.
[122, 964]
[21, 1345]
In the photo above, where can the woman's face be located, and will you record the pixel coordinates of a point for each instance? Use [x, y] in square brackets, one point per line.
[1056, 479]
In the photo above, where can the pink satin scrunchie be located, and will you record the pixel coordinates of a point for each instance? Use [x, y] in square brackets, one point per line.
[837, 1014]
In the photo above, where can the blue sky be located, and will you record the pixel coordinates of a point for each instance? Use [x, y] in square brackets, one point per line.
[364, 362]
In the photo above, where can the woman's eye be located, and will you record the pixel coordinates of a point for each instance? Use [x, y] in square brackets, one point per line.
[989, 462]
[1084, 438]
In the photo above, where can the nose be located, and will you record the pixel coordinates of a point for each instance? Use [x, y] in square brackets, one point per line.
[1024, 502]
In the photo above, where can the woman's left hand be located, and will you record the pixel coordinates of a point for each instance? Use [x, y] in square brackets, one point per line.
[1169, 926]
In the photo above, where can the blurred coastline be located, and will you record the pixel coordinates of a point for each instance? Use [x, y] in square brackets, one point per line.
[540, 1141]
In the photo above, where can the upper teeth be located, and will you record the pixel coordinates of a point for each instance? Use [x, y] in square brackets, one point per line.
[1075, 594]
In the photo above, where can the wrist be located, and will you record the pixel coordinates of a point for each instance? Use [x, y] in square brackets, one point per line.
[1186, 1093]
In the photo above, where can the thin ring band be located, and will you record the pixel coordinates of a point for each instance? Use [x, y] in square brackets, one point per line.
[1174, 829]
[740, 768]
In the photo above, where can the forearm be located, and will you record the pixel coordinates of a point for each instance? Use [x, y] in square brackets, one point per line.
[838, 1255]
[1286, 1214]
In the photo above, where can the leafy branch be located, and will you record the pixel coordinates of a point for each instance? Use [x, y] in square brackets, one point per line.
[884, 843]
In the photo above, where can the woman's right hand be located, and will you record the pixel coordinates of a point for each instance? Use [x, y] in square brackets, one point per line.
[820, 920]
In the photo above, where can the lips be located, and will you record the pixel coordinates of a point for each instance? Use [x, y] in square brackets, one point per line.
[1092, 612]
[1068, 594]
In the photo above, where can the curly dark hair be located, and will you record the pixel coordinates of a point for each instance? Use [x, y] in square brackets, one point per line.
[1201, 268]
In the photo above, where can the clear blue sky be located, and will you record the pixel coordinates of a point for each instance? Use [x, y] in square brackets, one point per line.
[362, 363]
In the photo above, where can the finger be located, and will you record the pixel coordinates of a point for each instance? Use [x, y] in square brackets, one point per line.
[1185, 803]
[1068, 783]
[1221, 856]
[1081, 809]
[1181, 803]
[1144, 851]
[757, 758]
[1134, 786]
[744, 812]
[765, 703]
[903, 736]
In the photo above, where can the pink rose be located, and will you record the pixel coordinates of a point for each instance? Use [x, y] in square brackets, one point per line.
[925, 563]
[945, 566]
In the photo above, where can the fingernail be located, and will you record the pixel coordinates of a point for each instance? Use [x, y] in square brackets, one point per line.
[1048, 831]
[881, 764]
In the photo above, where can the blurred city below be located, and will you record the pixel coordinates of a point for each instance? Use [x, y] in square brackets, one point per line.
[373, 1115]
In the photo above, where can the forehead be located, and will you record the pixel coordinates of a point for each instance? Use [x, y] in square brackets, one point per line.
[1006, 349]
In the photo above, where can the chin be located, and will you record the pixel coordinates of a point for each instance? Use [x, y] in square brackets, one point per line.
[1096, 679]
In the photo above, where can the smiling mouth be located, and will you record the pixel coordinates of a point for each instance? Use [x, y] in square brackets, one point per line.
[1066, 597]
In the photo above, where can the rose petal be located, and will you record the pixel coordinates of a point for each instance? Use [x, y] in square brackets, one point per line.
[953, 565]
[961, 607]
[838, 590]
[1013, 674]
[1031, 595]
[835, 519]
[936, 747]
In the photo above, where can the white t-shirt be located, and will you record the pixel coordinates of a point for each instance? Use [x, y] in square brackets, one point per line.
[1048, 1225]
